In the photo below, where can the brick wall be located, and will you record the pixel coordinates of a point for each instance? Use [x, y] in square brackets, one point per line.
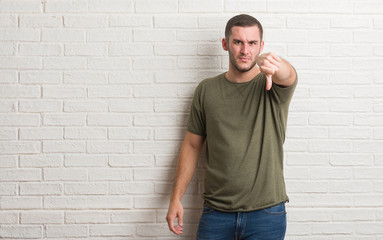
[95, 94]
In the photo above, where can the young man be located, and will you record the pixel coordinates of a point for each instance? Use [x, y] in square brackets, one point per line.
[242, 115]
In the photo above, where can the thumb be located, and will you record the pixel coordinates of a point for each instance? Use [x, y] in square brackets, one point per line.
[180, 220]
[269, 81]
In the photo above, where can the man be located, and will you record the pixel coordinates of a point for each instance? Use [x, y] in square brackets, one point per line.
[242, 115]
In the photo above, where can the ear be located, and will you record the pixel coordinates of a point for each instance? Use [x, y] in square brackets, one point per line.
[224, 44]
[262, 45]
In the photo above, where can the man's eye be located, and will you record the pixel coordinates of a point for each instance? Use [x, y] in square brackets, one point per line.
[252, 43]
[237, 42]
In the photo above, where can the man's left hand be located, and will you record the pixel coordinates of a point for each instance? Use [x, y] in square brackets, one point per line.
[269, 64]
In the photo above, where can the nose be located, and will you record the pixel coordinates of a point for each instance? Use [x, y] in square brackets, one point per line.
[244, 49]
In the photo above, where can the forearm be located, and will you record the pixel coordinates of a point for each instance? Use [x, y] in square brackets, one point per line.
[186, 165]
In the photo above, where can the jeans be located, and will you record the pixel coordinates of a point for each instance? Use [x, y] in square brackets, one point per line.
[264, 224]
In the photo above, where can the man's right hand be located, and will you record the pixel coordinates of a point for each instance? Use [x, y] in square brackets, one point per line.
[175, 210]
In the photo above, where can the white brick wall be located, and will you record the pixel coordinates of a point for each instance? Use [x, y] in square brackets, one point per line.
[95, 95]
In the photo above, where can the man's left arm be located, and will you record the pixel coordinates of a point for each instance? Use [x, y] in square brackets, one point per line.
[277, 70]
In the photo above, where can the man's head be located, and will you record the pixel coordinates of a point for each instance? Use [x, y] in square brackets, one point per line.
[243, 41]
[242, 20]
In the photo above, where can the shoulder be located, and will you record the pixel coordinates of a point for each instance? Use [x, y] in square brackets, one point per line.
[210, 82]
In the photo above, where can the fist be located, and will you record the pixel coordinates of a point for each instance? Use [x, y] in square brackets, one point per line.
[269, 64]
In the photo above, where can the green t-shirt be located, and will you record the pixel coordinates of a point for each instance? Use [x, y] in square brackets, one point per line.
[245, 129]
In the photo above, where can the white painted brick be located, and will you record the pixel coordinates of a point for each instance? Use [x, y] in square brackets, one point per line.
[89, 21]
[30, 35]
[295, 145]
[245, 6]
[311, 215]
[8, 133]
[40, 133]
[19, 147]
[192, 35]
[63, 63]
[35, 21]
[85, 188]
[8, 77]
[333, 146]
[370, 228]
[367, 146]
[130, 160]
[155, 147]
[296, 6]
[7, 217]
[143, 77]
[75, 6]
[127, 20]
[109, 202]
[67, 146]
[85, 160]
[351, 78]
[65, 202]
[368, 36]
[85, 106]
[109, 35]
[378, 133]
[41, 160]
[308, 50]
[152, 230]
[354, 21]
[63, 92]
[39, 106]
[176, 21]
[115, 91]
[199, 62]
[62, 35]
[7, 189]
[306, 159]
[351, 187]
[110, 174]
[86, 217]
[108, 147]
[8, 161]
[8, 106]
[282, 36]
[87, 78]
[378, 51]
[332, 228]
[159, 6]
[7, 49]
[101, 230]
[8, 20]
[159, 63]
[327, 6]
[156, 35]
[337, 173]
[131, 188]
[209, 50]
[133, 216]
[66, 231]
[135, 49]
[62, 174]
[20, 63]
[85, 133]
[166, 160]
[45, 77]
[371, 8]
[169, 133]
[351, 159]
[110, 119]
[350, 133]
[194, 6]
[40, 189]
[172, 106]
[89, 49]
[378, 22]
[153, 174]
[130, 133]
[17, 92]
[120, 63]
[156, 91]
[23, 232]
[307, 132]
[111, 6]
[45, 49]
[136, 106]
[41, 217]
[309, 22]
[21, 202]
[368, 119]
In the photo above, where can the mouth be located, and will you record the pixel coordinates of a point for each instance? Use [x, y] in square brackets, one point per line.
[244, 59]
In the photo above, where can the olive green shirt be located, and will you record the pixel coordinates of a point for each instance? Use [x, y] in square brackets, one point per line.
[245, 129]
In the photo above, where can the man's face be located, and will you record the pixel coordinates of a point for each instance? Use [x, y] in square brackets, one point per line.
[244, 46]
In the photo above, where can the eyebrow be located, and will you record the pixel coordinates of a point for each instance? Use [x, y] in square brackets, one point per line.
[242, 41]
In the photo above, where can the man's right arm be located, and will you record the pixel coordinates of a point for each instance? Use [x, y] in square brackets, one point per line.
[190, 151]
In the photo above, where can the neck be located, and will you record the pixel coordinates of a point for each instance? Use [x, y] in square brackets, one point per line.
[233, 75]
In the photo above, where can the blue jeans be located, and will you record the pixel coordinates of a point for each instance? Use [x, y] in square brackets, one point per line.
[264, 224]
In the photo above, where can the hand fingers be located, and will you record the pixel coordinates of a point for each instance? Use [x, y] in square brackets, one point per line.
[171, 224]
[180, 220]
[269, 82]
[269, 69]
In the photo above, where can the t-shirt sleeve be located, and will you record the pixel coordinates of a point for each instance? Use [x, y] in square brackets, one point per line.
[197, 123]
[284, 94]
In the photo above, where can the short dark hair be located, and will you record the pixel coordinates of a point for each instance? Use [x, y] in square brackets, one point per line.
[242, 20]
